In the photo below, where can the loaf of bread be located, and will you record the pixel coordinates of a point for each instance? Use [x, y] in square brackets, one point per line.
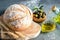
[19, 18]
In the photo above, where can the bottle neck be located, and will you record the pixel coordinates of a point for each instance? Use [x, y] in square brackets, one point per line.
[56, 11]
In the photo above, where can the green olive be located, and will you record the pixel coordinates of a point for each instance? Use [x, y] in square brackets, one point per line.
[36, 15]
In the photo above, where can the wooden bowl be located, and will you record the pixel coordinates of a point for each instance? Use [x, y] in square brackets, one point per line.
[40, 19]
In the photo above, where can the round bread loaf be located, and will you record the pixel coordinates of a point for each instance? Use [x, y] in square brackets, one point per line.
[18, 17]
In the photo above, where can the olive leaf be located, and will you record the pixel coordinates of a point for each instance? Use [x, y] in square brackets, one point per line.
[35, 8]
[41, 7]
[38, 8]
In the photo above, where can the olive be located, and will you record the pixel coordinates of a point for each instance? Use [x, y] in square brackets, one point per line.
[42, 16]
[44, 13]
[35, 13]
[37, 16]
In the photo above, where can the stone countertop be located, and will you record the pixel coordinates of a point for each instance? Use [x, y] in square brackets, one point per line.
[55, 35]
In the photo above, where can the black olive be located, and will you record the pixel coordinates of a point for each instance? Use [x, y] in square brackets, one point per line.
[38, 16]
[42, 16]
[35, 13]
[44, 13]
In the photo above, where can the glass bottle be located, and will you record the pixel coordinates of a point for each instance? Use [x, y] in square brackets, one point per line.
[57, 12]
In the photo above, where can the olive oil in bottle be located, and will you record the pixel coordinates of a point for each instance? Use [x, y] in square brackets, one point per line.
[48, 26]
[57, 12]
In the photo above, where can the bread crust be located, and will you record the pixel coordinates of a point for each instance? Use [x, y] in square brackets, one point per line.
[18, 16]
[21, 23]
